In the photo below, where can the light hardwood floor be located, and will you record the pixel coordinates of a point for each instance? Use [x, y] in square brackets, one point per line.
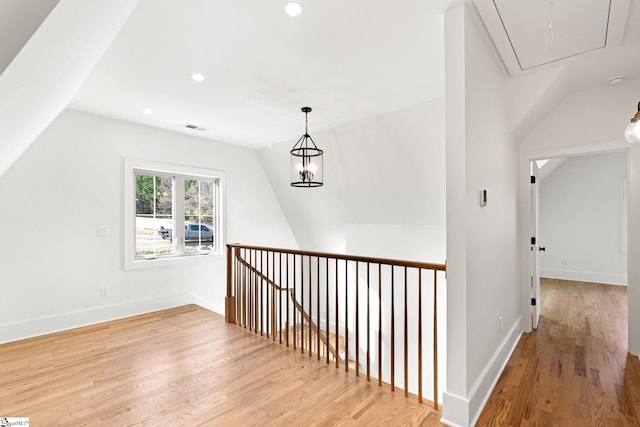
[186, 367]
[574, 370]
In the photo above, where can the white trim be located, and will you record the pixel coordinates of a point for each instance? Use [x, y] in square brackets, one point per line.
[524, 203]
[624, 220]
[456, 405]
[495, 28]
[487, 10]
[29, 328]
[481, 390]
[585, 276]
[471, 408]
[574, 150]
[130, 165]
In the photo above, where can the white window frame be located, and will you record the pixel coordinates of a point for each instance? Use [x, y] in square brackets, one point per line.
[133, 166]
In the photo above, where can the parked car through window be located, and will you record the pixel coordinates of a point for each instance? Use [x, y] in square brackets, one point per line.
[192, 233]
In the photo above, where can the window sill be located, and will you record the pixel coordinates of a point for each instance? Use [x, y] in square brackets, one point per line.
[165, 261]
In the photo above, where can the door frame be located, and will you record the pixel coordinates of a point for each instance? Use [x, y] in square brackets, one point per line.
[535, 245]
[525, 221]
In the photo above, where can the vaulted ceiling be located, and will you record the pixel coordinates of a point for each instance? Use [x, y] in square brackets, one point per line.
[593, 40]
[347, 60]
[18, 21]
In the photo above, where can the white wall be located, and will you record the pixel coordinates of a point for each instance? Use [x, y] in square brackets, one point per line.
[633, 240]
[399, 241]
[483, 296]
[384, 196]
[581, 214]
[71, 180]
[382, 175]
[593, 121]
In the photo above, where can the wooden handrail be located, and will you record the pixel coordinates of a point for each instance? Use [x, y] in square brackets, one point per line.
[257, 277]
[364, 259]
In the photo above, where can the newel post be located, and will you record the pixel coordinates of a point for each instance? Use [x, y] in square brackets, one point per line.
[230, 300]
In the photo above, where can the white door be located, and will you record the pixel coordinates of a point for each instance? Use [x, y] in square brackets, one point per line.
[535, 245]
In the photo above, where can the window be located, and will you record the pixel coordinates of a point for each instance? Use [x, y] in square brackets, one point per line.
[171, 212]
[154, 214]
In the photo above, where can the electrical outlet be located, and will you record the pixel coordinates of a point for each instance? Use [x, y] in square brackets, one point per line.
[104, 292]
[501, 323]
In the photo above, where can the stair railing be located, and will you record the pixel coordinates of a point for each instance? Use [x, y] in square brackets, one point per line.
[374, 305]
[297, 306]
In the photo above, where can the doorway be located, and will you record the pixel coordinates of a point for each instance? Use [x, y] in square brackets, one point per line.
[579, 221]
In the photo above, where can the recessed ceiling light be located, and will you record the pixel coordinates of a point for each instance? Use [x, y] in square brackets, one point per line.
[148, 111]
[197, 77]
[293, 9]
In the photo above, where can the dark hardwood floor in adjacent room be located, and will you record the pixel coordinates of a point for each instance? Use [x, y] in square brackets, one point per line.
[575, 369]
[187, 367]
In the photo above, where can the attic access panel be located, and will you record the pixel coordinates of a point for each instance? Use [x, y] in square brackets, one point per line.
[545, 31]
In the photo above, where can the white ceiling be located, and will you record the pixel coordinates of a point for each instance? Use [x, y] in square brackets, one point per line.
[348, 60]
[594, 40]
[546, 31]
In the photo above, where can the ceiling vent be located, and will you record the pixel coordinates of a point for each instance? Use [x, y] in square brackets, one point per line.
[195, 127]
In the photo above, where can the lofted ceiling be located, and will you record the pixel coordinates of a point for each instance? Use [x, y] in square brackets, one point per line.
[18, 21]
[347, 60]
[595, 39]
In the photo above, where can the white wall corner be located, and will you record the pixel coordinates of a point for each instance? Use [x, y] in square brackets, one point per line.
[462, 412]
[633, 291]
[195, 299]
[455, 410]
[533, 96]
[60, 322]
[482, 388]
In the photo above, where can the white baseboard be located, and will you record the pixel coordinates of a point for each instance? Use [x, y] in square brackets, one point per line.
[463, 412]
[455, 410]
[585, 276]
[60, 322]
[195, 299]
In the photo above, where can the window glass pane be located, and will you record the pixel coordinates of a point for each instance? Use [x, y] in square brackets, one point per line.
[154, 215]
[199, 196]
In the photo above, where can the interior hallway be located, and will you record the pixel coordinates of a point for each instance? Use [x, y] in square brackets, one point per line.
[575, 369]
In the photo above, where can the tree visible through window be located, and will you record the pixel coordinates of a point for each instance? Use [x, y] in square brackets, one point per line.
[154, 214]
[171, 211]
[199, 204]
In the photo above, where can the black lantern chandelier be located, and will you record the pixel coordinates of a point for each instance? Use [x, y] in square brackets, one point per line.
[306, 159]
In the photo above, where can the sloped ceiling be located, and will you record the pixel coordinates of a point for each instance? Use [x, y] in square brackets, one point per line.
[347, 60]
[596, 39]
[51, 66]
[19, 19]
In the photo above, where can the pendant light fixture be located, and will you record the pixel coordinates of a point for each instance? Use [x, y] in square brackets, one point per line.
[306, 159]
[632, 132]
